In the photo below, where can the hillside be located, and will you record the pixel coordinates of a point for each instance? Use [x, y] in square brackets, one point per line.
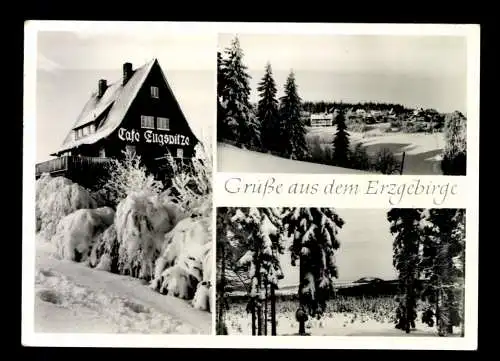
[234, 159]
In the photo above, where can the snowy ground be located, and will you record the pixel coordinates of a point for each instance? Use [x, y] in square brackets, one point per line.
[422, 154]
[234, 159]
[338, 325]
[70, 297]
[362, 323]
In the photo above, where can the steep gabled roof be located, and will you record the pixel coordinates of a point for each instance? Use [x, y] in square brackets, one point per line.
[111, 108]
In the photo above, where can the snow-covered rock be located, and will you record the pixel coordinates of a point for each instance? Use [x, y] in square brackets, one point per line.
[142, 220]
[55, 198]
[77, 232]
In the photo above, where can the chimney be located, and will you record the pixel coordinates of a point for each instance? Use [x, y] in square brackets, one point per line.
[103, 84]
[127, 72]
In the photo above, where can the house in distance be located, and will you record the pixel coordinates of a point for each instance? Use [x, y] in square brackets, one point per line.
[138, 113]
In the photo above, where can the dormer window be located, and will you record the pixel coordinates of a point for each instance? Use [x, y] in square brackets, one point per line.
[155, 93]
[147, 121]
[163, 123]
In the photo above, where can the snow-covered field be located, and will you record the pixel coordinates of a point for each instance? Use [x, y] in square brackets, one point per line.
[422, 153]
[370, 322]
[70, 297]
[234, 159]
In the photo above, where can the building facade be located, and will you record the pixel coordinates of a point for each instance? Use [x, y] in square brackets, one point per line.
[321, 120]
[138, 113]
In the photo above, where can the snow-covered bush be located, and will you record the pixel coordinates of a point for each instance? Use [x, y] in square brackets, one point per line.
[183, 267]
[55, 198]
[127, 176]
[104, 255]
[180, 266]
[142, 220]
[192, 189]
[77, 232]
[203, 297]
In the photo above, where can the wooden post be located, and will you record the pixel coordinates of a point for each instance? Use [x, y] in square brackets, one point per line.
[402, 164]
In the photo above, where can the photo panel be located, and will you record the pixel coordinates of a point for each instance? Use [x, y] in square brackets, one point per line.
[122, 179]
[309, 271]
[342, 103]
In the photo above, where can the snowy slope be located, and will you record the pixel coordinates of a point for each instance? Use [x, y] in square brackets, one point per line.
[70, 297]
[234, 159]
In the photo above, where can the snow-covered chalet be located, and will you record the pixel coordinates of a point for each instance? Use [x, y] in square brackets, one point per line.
[139, 113]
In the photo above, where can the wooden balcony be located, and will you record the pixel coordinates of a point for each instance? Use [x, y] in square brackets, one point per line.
[70, 165]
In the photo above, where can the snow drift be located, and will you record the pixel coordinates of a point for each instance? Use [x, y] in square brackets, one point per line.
[185, 262]
[76, 233]
[141, 222]
[56, 198]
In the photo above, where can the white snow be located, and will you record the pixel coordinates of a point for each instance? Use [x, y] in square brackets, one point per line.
[417, 142]
[77, 231]
[335, 324]
[234, 159]
[56, 198]
[71, 297]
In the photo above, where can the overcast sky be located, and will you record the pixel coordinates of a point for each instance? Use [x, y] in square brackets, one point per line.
[365, 247]
[426, 71]
[69, 65]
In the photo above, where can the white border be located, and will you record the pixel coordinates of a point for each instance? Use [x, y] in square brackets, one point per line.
[469, 193]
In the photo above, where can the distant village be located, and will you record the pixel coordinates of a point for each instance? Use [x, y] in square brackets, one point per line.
[404, 119]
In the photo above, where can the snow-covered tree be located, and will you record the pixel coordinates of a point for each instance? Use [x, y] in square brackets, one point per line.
[443, 263]
[405, 225]
[249, 238]
[341, 141]
[223, 131]
[239, 123]
[455, 152]
[267, 110]
[314, 242]
[293, 132]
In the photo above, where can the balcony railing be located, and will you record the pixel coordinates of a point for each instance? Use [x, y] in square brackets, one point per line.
[68, 164]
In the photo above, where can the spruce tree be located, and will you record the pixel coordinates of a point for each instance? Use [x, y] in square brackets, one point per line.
[293, 132]
[314, 233]
[240, 121]
[223, 130]
[455, 153]
[260, 239]
[341, 141]
[443, 262]
[405, 225]
[222, 224]
[267, 110]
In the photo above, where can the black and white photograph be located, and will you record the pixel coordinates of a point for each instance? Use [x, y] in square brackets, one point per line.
[396, 272]
[342, 104]
[123, 180]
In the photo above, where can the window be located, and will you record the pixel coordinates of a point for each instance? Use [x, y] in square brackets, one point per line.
[75, 135]
[147, 121]
[102, 152]
[155, 92]
[180, 153]
[163, 123]
[80, 133]
[85, 131]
